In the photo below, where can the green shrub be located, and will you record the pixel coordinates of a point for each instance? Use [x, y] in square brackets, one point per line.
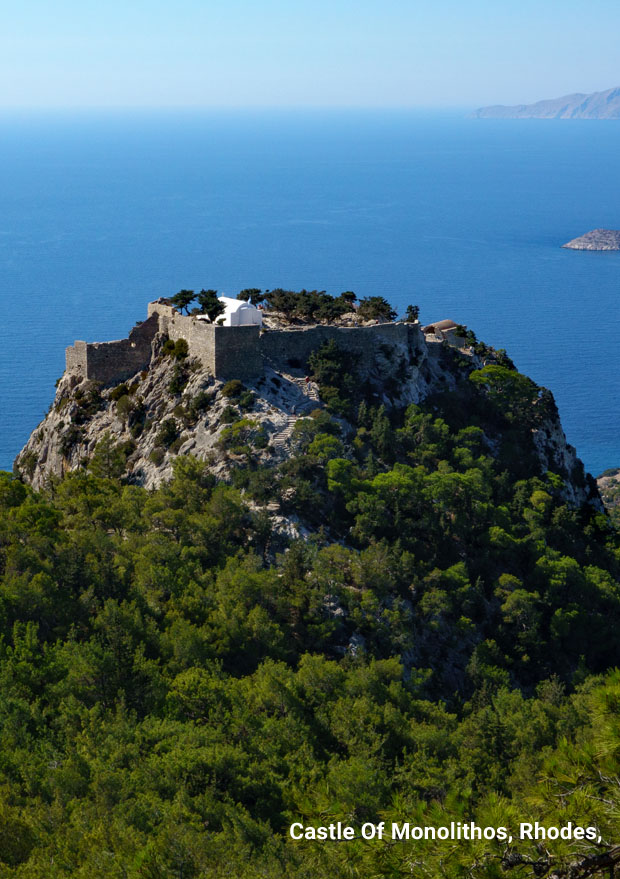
[167, 433]
[179, 379]
[89, 401]
[246, 400]
[124, 407]
[375, 308]
[229, 415]
[243, 435]
[325, 446]
[157, 455]
[109, 458]
[72, 437]
[200, 402]
[334, 401]
[181, 349]
[335, 371]
[306, 429]
[233, 388]
[28, 463]
[309, 305]
[119, 391]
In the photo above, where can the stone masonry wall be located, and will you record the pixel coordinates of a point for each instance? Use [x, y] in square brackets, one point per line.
[234, 352]
[112, 362]
[278, 347]
[199, 335]
[227, 352]
[237, 352]
[75, 358]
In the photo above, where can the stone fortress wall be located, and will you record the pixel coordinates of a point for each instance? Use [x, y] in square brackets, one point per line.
[232, 352]
[113, 362]
[279, 347]
[227, 352]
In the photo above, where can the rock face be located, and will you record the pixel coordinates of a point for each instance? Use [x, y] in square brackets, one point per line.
[609, 488]
[598, 239]
[197, 406]
[599, 105]
[175, 406]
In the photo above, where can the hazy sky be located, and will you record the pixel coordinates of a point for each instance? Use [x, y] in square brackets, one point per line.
[238, 53]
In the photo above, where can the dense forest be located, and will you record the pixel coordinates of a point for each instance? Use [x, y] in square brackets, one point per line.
[435, 641]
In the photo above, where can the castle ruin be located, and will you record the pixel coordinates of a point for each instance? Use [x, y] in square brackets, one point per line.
[231, 352]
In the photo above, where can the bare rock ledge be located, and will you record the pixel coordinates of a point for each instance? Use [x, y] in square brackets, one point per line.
[598, 239]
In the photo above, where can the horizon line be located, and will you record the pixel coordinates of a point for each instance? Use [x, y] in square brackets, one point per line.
[233, 108]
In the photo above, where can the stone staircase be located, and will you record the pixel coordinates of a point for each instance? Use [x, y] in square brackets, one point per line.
[309, 390]
[312, 392]
[282, 436]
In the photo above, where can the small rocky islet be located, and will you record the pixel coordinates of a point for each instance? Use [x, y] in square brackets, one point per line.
[597, 239]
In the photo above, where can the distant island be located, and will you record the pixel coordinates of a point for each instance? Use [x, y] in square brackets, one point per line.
[598, 105]
[597, 239]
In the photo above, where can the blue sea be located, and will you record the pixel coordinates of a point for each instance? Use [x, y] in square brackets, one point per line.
[99, 213]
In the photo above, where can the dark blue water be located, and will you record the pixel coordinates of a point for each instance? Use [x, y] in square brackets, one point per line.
[101, 213]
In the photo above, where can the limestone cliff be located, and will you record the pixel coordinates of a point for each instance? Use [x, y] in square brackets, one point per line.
[176, 406]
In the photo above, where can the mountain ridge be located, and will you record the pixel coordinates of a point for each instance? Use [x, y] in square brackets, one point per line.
[597, 105]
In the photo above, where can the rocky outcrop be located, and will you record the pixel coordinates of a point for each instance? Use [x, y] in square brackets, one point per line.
[176, 406]
[161, 414]
[598, 105]
[558, 456]
[598, 239]
[609, 489]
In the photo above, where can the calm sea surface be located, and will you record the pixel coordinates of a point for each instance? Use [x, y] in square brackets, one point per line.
[101, 213]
